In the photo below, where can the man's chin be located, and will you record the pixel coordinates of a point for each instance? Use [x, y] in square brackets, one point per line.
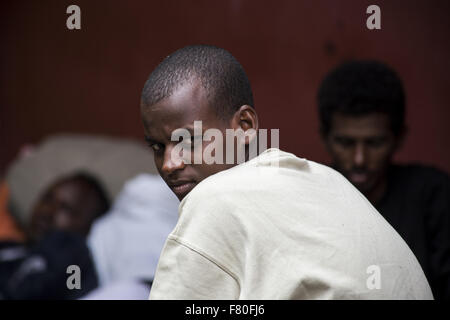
[366, 186]
[363, 187]
[182, 191]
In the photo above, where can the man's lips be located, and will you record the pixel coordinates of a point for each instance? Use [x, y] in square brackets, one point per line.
[359, 177]
[182, 187]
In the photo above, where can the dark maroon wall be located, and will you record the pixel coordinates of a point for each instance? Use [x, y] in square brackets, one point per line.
[89, 81]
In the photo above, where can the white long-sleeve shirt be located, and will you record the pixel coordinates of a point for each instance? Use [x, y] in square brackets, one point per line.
[296, 231]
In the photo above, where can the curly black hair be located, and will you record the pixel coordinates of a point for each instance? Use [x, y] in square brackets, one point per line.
[222, 76]
[362, 87]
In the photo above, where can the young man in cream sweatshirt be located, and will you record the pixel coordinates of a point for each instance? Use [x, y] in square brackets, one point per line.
[273, 227]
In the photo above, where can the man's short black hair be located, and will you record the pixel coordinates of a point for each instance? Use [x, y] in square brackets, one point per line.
[222, 76]
[358, 88]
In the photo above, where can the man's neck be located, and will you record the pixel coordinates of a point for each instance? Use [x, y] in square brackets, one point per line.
[377, 193]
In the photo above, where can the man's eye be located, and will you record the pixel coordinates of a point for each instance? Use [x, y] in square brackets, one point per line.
[68, 209]
[376, 143]
[345, 142]
[156, 147]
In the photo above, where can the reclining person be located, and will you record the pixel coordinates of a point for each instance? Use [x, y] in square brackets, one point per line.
[60, 222]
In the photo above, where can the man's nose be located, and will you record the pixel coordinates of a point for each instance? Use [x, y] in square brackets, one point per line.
[61, 220]
[172, 162]
[360, 155]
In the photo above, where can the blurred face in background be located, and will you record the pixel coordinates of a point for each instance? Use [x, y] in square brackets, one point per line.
[68, 205]
[361, 148]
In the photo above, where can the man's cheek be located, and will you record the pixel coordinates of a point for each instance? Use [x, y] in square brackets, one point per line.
[158, 163]
[343, 159]
[378, 159]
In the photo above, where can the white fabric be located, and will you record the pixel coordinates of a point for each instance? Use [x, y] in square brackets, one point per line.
[301, 231]
[123, 290]
[127, 241]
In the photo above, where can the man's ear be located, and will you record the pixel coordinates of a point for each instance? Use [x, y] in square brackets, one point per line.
[245, 119]
[248, 119]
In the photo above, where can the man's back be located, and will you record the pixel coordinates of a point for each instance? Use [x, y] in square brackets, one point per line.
[417, 204]
[298, 230]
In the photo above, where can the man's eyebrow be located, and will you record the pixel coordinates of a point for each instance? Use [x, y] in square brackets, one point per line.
[148, 139]
[380, 137]
[343, 137]
[190, 128]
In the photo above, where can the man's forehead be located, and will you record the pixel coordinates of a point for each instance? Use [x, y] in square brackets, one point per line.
[186, 98]
[188, 103]
[167, 119]
[370, 123]
[71, 186]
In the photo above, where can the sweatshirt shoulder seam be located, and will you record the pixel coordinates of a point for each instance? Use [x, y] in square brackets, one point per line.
[193, 248]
